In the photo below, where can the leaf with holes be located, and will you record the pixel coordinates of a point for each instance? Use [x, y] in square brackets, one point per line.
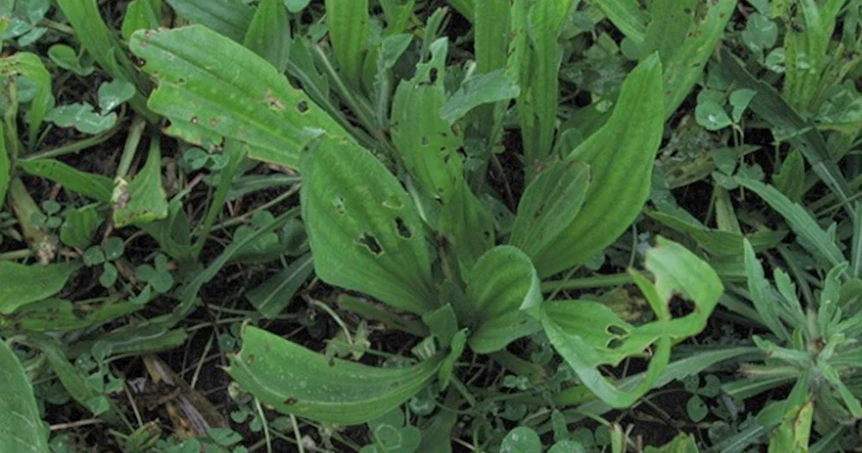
[315, 387]
[621, 156]
[363, 228]
[211, 87]
[21, 429]
[424, 140]
[502, 281]
[589, 335]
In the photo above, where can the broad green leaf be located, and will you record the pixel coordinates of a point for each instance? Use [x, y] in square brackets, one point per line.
[5, 166]
[101, 42]
[787, 124]
[363, 228]
[210, 86]
[21, 284]
[589, 334]
[685, 38]
[271, 297]
[295, 380]
[521, 440]
[347, 21]
[141, 200]
[621, 156]
[479, 90]
[627, 16]
[141, 15]
[806, 50]
[468, 225]
[790, 178]
[426, 143]
[538, 103]
[816, 240]
[21, 428]
[79, 226]
[500, 283]
[30, 66]
[269, 33]
[230, 18]
[548, 206]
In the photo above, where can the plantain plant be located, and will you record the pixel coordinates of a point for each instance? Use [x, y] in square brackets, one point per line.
[398, 207]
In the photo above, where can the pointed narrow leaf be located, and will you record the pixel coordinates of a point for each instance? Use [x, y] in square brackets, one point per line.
[210, 86]
[501, 282]
[295, 380]
[21, 284]
[21, 428]
[92, 185]
[347, 21]
[549, 205]
[685, 38]
[271, 297]
[627, 16]
[762, 295]
[539, 101]
[363, 228]
[230, 18]
[621, 156]
[269, 33]
[800, 221]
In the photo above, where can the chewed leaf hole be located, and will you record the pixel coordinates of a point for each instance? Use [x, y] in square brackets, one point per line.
[615, 343]
[617, 330]
[403, 230]
[302, 106]
[371, 243]
[680, 307]
[338, 203]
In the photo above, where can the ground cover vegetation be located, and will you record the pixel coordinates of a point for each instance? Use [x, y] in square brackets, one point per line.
[422, 226]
